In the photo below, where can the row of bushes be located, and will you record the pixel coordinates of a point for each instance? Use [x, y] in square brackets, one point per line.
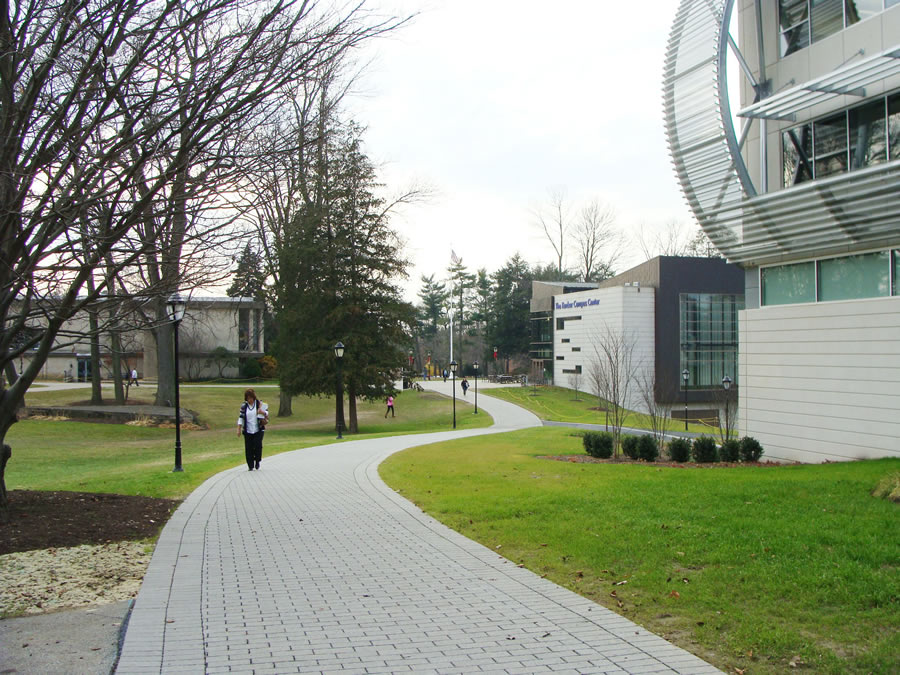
[702, 450]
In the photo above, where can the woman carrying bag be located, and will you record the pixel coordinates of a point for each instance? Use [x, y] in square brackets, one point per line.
[252, 423]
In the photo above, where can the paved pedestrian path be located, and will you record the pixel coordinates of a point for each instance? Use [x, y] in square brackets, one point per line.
[314, 565]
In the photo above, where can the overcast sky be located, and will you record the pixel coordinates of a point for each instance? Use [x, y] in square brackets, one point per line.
[494, 103]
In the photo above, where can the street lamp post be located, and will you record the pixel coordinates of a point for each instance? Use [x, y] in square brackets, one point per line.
[726, 385]
[175, 306]
[453, 367]
[685, 375]
[475, 368]
[339, 403]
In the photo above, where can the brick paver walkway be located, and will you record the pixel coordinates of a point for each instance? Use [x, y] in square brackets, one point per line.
[313, 565]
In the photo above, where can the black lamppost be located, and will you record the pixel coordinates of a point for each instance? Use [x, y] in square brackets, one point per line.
[726, 385]
[339, 403]
[685, 375]
[175, 306]
[453, 366]
[475, 368]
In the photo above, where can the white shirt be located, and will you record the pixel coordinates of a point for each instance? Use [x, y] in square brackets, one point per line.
[259, 409]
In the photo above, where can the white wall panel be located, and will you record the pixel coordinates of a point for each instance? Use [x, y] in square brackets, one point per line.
[822, 381]
[623, 309]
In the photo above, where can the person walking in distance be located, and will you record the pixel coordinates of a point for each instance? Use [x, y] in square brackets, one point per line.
[465, 385]
[390, 408]
[134, 377]
[252, 423]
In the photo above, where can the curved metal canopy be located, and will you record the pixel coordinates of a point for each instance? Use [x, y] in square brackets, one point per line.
[746, 222]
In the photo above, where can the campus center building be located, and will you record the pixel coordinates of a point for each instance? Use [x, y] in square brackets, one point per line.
[796, 178]
[679, 314]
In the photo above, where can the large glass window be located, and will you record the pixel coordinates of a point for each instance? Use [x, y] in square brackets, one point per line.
[827, 18]
[804, 21]
[853, 139]
[895, 275]
[797, 155]
[793, 16]
[709, 337]
[854, 276]
[893, 104]
[868, 136]
[830, 145]
[786, 284]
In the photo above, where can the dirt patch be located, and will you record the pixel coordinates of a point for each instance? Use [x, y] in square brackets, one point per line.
[40, 520]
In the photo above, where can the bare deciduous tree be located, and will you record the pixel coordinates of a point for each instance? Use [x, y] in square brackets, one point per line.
[595, 232]
[119, 122]
[727, 402]
[554, 221]
[658, 398]
[575, 382]
[613, 369]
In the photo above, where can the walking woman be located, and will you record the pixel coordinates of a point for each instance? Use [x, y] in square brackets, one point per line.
[252, 423]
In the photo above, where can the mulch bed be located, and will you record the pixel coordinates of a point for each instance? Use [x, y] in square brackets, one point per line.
[40, 520]
[587, 459]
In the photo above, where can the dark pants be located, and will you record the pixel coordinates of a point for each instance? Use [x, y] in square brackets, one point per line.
[253, 448]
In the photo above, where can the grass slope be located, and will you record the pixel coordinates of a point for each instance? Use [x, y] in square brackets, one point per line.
[133, 460]
[749, 567]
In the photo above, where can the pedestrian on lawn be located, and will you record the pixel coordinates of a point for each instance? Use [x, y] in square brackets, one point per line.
[390, 408]
[252, 423]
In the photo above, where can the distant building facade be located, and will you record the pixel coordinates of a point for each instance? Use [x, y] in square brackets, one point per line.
[234, 324]
[680, 313]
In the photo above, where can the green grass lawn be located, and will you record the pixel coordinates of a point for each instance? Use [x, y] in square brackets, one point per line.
[752, 567]
[133, 460]
[564, 405]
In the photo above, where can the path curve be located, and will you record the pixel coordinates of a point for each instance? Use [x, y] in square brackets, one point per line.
[314, 565]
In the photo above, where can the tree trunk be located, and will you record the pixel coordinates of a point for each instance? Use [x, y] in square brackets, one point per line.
[96, 385]
[351, 408]
[115, 342]
[284, 404]
[165, 365]
[5, 454]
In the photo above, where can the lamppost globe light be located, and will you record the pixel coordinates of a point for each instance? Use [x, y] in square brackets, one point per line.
[453, 366]
[726, 383]
[475, 366]
[175, 307]
[339, 397]
[685, 374]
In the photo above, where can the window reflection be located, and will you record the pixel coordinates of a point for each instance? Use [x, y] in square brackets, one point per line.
[830, 145]
[868, 139]
[854, 276]
[827, 18]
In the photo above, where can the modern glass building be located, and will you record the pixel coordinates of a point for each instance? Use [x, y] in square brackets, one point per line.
[680, 312]
[796, 177]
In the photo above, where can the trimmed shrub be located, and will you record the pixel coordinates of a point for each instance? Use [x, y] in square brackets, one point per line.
[751, 450]
[251, 368]
[630, 446]
[648, 448]
[730, 450]
[598, 444]
[679, 449]
[269, 366]
[704, 450]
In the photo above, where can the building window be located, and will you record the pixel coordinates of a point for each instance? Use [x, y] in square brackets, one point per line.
[561, 322]
[895, 268]
[787, 284]
[855, 276]
[576, 349]
[709, 337]
[853, 139]
[850, 277]
[565, 340]
[802, 22]
[560, 358]
[572, 371]
[243, 330]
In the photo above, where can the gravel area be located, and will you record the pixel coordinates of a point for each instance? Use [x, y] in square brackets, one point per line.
[32, 582]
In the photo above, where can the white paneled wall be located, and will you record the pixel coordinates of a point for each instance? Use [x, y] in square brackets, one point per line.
[626, 309]
[822, 381]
